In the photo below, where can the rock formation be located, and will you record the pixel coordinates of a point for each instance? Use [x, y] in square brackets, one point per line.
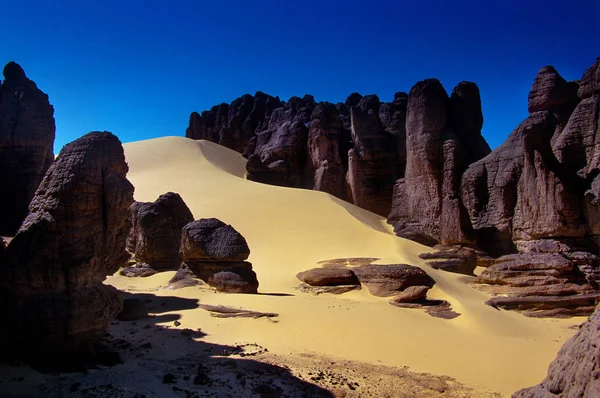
[574, 372]
[26, 144]
[155, 233]
[304, 144]
[74, 236]
[461, 260]
[217, 254]
[373, 162]
[405, 284]
[538, 284]
[443, 136]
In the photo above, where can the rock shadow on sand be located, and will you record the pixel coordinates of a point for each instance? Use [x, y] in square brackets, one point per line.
[163, 359]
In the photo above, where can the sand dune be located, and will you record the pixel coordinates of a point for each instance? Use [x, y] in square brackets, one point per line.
[290, 230]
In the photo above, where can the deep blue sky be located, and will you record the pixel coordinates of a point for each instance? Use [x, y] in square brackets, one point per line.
[138, 68]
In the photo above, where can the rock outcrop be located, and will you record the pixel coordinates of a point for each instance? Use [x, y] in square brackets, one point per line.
[373, 162]
[538, 284]
[155, 233]
[74, 236]
[443, 136]
[522, 190]
[304, 144]
[217, 254]
[405, 284]
[574, 372]
[26, 144]
[457, 259]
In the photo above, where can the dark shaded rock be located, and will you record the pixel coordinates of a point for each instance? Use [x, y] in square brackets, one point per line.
[387, 280]
[26, 144]
[211, 240]
[458, 259]
[373, 164]
[435, 308]
[353, 100]
[73, 237]
[328, 277]
[133, 310]
[238, 280]
[155, 233]
[427, 206]
[280, 152]
[540, 284]
[393, 119]
[574, 372]
[210, 247]
[551, 91]
[336, 289]
[140, 270]
[184, 277]
[324, 136]
[589, 85]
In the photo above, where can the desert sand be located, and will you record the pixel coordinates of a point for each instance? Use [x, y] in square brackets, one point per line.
[290, 230]
[353, 345]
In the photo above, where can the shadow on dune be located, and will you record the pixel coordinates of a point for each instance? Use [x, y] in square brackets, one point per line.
[161, 360]
[370, 219]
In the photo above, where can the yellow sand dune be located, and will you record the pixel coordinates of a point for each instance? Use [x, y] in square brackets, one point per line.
[290, 230]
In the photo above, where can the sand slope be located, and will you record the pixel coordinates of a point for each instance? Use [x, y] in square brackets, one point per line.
[290, 230]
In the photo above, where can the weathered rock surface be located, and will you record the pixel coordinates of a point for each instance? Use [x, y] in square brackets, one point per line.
[574, 372]
[527, 188]
[184, 277]
[325, 151]
[388, 279]
[328, 277]
[210, 247]
[155, 233]
[280, 154]
[304, 144]
[458, 259]
[539, 284]
[443, 136]
[411, 294]
[26, 144]
[74, 236]
[373, 163]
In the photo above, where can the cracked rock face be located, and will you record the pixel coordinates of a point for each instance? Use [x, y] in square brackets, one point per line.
[74, 236]
[26, 144]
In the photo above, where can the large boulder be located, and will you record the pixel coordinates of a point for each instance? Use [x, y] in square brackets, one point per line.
[155, 233]
[26, 144]
[387, 280]
[214, 251]
[74, 236]
[574, 372]
[443, 136]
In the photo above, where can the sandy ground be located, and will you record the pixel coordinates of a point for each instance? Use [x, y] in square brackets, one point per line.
[315, 340]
